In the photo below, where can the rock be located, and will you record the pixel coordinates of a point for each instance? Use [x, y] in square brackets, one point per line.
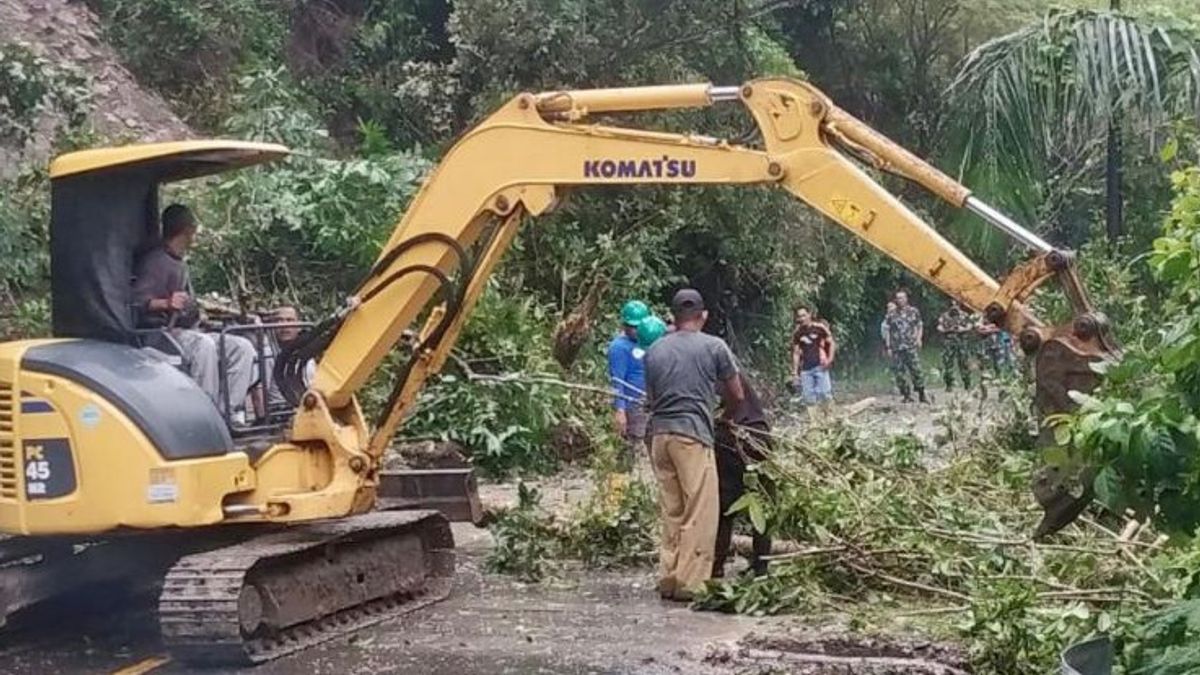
[429, 455]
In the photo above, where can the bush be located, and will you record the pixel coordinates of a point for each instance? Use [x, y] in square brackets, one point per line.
[616, 527]
[272, 231]
[525, 539]
[191, 51]
[501, 405]
[1140, 426]
[24, 250]
[31, 88]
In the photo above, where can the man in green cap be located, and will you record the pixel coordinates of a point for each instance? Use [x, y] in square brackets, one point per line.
[628, 379]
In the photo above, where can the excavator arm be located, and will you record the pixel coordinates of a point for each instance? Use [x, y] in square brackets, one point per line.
[515, 163]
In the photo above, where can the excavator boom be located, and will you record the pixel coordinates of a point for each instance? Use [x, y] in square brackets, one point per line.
[515, 162]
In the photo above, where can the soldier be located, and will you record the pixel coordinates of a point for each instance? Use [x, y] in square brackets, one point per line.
[997, 347]
[956, 328]
[905, 337]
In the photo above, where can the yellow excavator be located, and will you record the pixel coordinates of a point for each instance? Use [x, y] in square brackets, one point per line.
[114, 463]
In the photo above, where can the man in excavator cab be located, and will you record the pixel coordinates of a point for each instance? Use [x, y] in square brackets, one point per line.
[163, 299]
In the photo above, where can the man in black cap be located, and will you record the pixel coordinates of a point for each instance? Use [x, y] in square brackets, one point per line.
[683, 371]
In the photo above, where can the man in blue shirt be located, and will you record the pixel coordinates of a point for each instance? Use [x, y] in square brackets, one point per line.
[629, 380]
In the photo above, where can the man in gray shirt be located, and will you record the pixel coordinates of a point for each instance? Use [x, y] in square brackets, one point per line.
[683, 370]
[162, 295]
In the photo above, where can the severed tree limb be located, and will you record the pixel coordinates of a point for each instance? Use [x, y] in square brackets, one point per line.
[855, 664]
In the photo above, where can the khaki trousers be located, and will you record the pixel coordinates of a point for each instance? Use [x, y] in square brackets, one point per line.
[688, 505]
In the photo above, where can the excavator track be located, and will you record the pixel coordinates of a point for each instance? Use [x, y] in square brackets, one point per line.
[279, 593]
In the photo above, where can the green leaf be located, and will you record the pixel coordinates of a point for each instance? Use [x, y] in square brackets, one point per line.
[1108, 489]
[1169, 149]
[758, 518]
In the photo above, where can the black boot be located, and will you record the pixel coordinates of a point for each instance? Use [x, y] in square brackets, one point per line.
[921, 396]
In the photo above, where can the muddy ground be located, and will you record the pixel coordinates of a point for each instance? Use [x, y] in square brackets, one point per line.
[581, 622]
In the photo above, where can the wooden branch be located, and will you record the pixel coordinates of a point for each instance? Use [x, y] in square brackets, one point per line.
[905, 583]
[855, 664]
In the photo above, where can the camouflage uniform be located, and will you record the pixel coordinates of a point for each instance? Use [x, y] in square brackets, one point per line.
[997, 348]
[903, 327]
[956, 328]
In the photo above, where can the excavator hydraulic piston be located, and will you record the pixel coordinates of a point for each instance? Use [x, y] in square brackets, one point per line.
[995, 217]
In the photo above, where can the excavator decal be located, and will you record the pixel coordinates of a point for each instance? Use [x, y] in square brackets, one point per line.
[49, 469]
[646, 168]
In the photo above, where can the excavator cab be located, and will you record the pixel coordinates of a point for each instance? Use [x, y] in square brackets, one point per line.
[104, 215]
[104, 212]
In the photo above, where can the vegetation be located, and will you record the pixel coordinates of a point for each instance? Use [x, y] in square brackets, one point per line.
[616, 527]
[942, 547]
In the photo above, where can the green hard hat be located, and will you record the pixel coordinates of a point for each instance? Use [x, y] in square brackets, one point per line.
[633, 311]
[650, 329]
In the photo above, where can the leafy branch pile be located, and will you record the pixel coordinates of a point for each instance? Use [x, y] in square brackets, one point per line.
[616, 527]
[948, 546]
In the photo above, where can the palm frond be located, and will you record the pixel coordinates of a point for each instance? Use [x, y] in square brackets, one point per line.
[1037, 100]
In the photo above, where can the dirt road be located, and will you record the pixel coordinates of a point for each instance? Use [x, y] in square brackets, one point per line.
[583, 623]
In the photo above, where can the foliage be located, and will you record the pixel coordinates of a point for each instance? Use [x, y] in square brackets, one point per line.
[1141, 426]
[495, 406]
[616, 527]
[1010, 631]
[949, 536]
[24, 233]
[315, 216]
[30, 88]
[1168, 641]
[191, 51]
[524, 538]
[1037, 104]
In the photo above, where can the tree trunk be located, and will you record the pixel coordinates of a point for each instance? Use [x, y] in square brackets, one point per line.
[1113, 202]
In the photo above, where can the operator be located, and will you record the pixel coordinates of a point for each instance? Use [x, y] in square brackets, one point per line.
[812, 355]
[628, 378]
[905, 336]
[683, 370]
[956, 328]
[162, 293]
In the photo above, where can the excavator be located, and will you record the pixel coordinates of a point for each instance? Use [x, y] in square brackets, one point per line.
[113, 463]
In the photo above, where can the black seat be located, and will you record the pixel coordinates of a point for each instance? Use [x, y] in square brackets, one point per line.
[175, 414]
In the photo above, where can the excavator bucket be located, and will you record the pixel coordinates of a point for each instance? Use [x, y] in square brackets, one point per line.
[1065, 363]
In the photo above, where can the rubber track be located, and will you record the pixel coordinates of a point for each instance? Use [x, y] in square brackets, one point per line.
[198, 607]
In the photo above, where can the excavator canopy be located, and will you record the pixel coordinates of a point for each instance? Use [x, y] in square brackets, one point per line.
[177, 160]
[104, 213]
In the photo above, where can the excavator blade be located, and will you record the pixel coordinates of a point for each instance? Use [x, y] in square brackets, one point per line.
[1064, 363]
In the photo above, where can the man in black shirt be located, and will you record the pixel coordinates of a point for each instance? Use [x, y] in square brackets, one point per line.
[741, 439]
